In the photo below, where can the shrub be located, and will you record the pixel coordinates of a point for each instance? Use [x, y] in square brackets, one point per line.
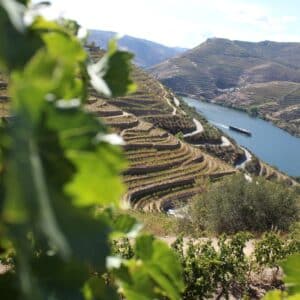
[235, 204]
[210, 270]
[272, 249]
[253, 111]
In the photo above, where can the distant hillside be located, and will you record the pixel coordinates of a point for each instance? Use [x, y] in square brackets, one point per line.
[147, 53]
[262, 77]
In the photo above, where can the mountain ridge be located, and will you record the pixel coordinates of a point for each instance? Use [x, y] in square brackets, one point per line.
[147, 53]
[228, 72]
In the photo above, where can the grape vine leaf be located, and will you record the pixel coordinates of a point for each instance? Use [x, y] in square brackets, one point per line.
[154, 271]
[111, 74]
[291, 269]
[27, 41]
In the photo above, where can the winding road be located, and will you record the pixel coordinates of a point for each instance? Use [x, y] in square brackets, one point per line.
[248, 158]
[199, 129]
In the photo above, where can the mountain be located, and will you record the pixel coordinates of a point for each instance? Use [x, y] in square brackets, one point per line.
[147, 53]
[263, 77]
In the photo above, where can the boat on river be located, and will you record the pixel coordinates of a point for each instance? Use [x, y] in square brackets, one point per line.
[240, 130]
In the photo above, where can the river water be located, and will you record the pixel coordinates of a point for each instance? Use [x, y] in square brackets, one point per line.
[273, 145]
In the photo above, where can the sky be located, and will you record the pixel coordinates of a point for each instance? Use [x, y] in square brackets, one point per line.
[187, 23]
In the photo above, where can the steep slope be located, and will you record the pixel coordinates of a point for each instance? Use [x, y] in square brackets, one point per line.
[163, 169]
[263, 77]
[147, 53]
[159, 161]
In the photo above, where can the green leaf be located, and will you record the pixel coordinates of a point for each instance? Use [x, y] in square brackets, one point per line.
[15, 11]
[61, 279]
[111, 75]
[58, 43]
[96, 289]
[291, 269]
[156, 271]
[135, 282]
[88, 237]
[126, 225]
[144, 247]
[118, 74]
[44, 79]
[27, 194]
[96, 173]
[27, 41]
[274, 295]
[9, 286]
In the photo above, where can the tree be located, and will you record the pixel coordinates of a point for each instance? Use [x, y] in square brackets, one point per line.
[234, 204]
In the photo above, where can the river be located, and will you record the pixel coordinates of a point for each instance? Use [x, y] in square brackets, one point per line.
[270, 143]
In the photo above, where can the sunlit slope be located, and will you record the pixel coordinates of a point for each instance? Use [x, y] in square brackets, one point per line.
[240, 74]
[163, 169]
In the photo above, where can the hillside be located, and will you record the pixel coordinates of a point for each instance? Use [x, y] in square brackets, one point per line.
[146, 53]
[170, 148]
[263, 78]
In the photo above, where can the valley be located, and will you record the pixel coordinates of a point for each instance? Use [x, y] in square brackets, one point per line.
[170, 148]
[268, 142]
[262, 78]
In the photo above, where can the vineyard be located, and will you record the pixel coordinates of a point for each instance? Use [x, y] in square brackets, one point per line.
[162, 168]
[165, 168]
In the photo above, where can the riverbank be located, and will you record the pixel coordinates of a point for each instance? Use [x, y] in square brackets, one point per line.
[278, 123]
[268, 142]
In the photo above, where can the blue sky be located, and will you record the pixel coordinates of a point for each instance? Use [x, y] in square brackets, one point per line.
[187, 23]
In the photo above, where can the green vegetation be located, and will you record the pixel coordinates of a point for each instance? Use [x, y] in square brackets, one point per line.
[291, 268]
[234, 204]
[280, 249]
[58, 164]
[220, 269]
[157, 223]
[253, 111]
[209, 272]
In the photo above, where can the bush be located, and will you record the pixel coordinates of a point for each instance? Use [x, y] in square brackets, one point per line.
[235, 204]
[253, 111]
[210, 270]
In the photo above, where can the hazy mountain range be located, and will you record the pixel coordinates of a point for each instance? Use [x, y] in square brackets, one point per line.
[147, 53]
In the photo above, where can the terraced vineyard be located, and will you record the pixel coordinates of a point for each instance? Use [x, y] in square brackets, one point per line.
[163, 169]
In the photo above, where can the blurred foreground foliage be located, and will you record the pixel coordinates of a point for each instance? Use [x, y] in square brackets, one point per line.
[57, 167]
